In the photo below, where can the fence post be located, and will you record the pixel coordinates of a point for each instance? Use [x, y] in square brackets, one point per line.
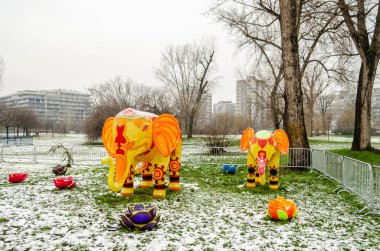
[371, 188]
[34, 155]
[2, 154]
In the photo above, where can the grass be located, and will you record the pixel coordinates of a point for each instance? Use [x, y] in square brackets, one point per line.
[365, 156]
[211, 178]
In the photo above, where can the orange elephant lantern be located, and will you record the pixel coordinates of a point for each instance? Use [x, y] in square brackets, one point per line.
[264, 149]
[282, 209]
[155, 141]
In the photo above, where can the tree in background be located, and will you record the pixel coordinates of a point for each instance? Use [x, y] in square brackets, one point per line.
[112, 96]
[7, 118]
[313, 86]
[362, 19]
[25, 119]
[158, 101]
[187, 71]
[324, 101]
[108, 99]
[118, 93]
[345, 123]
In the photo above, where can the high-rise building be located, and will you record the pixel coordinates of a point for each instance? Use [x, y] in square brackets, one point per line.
[226, 107]
[249, 103]
[205, 111]
[52, 105]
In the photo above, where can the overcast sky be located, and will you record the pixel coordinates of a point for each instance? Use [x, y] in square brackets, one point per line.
[74, 44]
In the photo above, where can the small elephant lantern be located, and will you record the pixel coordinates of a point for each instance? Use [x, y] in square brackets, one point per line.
[264, 149]
[134, 136]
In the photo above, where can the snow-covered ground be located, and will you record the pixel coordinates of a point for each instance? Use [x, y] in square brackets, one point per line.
[34, 215]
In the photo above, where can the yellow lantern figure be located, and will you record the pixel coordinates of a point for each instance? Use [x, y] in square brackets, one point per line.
[134, 136]
[264, 149]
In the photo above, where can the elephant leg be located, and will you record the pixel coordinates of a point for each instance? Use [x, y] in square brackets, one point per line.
[127, 189]
[159, 181]
[273, 177]
[251, 176]
[274, 170]
[146, 173]
[257, 175]
[174, 173]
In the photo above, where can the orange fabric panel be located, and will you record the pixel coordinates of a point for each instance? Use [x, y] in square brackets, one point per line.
[107, 135]
[281, 141]
[246, 138]
[166, 134]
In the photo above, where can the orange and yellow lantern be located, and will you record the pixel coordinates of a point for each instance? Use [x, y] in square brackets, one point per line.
[282, 209]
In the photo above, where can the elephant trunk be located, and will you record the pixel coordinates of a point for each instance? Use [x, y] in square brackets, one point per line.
[261, 163]
[115, 184]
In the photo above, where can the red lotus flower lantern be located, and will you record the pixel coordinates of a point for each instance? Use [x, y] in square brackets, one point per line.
[17, 177]
[282, 209]
[65, 182]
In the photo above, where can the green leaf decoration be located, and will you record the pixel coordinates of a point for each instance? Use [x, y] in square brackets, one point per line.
[282, 215]
[295, 214]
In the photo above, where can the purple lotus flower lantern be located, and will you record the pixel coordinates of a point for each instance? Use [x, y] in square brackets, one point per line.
[140, 218]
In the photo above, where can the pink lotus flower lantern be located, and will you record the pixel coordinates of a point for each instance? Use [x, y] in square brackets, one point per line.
[65, 182]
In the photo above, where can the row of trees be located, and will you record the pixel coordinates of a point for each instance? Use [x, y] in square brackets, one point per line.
[21, 119]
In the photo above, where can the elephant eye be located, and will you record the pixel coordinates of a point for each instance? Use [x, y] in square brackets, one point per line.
[145, 127]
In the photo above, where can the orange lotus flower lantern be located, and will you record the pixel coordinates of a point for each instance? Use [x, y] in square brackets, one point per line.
[282, 209]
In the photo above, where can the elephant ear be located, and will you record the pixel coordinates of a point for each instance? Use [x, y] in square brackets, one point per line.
[246, 138]
[281, 141]
[107, 135]
[166, 134]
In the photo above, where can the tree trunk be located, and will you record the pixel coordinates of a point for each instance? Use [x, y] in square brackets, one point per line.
[7, 128]
[190, 127]
[311, 114]
[274, 111]
[294, 121]
[362, 131]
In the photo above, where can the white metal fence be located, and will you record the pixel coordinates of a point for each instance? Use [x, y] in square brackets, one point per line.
[355, 176]
[198, 155]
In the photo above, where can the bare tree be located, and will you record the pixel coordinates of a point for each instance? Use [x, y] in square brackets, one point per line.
[7, 118]
[313, 86]
[324, 101]
[187, 72]
[259, 24]
[159, 101]
[25, 119]
[118, 92]
[346, 121]
[362, 19]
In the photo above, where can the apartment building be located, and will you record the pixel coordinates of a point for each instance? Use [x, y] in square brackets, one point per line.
[249, 103]
[226, 107]
[52, 105]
